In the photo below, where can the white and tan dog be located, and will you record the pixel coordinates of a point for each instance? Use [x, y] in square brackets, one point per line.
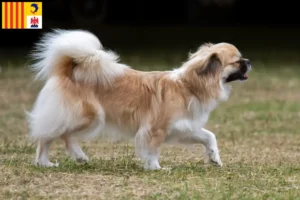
[88, 92]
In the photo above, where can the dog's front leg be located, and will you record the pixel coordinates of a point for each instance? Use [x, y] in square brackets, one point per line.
[208, 139]
[147, 146]
[211, 148]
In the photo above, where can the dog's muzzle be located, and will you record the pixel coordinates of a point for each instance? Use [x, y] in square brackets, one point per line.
[241, 74]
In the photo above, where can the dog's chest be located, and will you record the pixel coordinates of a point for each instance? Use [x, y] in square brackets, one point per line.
[187, 125]
[194, 120]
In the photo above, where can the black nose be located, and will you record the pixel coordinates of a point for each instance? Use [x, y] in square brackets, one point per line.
[247, 62]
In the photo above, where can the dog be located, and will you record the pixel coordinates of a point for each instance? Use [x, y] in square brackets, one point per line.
[88, 92]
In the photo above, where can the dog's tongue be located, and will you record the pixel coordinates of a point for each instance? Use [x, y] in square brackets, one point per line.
[245, 75]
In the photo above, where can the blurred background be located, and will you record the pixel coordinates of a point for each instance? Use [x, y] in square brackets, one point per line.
[257, 128]
[262, 28]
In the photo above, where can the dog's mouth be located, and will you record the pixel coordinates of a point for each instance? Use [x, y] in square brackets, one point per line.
[237, 76]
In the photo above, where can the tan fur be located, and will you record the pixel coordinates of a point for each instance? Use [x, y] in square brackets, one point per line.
[137, 98]
[146, 104]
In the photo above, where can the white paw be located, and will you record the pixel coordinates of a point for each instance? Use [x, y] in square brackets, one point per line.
[152, 166]
[46, 164]
[212, 156]
[82, 159]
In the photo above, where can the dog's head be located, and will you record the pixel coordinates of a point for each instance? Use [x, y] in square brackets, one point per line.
[223, 61]
[214, 65]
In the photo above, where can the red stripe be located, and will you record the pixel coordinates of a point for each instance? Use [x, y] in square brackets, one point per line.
[22, 15]
[17, 14]
[6, 17]
[11, 15]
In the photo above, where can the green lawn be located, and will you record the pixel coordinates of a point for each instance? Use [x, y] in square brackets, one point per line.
[257, 131]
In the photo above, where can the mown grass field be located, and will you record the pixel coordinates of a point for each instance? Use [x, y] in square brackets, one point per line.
[258, 132]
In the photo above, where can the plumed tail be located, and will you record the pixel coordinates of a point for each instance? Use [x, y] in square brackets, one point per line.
[76, 54]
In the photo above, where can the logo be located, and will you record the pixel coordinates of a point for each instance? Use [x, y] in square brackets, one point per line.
[34, 22]
[36, 7]
[22, 15]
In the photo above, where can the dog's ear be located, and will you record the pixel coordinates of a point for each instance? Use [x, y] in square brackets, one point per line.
[204, 47]
[212, 65]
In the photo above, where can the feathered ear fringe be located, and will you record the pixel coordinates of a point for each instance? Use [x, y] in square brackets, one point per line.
[203, 47]
[212, 66]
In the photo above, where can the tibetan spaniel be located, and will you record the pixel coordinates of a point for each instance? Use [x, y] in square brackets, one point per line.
[88, 93]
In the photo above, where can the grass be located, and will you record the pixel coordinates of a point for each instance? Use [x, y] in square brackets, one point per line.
[257, 131]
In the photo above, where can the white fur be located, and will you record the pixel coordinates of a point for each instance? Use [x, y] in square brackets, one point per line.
[190, 130]
[42, 154]
[176, 73]
[149, 156]
[75, 151]
[81, 46]
[52, 115]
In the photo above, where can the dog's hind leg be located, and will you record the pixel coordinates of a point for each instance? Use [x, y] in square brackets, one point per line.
[42, 158]
[85, 131]
[74, 149]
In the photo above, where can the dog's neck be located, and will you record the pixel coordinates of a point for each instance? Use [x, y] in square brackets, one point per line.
[206, 90]
[225, 90]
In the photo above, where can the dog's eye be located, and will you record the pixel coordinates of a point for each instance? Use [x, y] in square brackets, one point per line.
[236, 62]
